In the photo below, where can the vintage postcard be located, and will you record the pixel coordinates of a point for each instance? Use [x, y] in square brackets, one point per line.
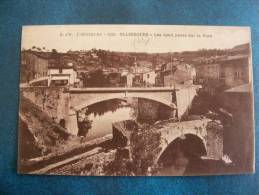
[135, 100]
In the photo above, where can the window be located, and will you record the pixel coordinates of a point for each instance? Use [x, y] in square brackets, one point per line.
[222, 74]
[239, 74]
[148, 76]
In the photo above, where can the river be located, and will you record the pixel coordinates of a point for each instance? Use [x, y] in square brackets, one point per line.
[96, 120]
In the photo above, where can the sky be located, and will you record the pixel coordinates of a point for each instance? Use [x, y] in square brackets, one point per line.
[133, 38]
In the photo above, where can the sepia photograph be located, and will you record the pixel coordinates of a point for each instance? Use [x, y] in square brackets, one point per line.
[135, 100]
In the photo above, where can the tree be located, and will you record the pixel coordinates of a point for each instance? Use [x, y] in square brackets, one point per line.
[55, 56]
[84, 77]
[96, 78]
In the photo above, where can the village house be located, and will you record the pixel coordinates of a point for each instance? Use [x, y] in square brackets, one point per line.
[243, 49]
[123, 71]
[217, 73]
[159, 82]
[211, 70]
[138, 72]
[129, 77]
[208, 74]
[235, 70]
[34, 65]
[149, 78]
[177, 72]
[223, 72]
[139, 69]
[126, 77]
[62, 75]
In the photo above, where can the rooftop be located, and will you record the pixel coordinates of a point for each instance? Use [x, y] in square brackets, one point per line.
[246, 88]
[235, 57]
[58, 66]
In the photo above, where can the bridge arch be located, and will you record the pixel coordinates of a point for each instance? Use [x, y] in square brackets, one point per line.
[101, 98]
[189, 144]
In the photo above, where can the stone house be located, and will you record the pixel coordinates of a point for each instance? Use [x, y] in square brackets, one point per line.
[235, 70]
[177, 73]
[130, 79]
[223, 72]
[62, 75]
[138, 72]
[149, 78]
[34, 65]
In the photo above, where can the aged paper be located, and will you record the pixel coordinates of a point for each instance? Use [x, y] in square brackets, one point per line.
[131, 100]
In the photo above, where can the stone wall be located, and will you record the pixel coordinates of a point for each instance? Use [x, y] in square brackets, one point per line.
[148, 111]
[184, 99]
[151, 111]
[214, 140]
[239, 135]
[96, 164]
[145, 149]
[53, 101]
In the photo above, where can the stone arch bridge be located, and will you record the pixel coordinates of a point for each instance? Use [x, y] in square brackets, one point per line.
[64, 104]
[149, 147]
[208, 132]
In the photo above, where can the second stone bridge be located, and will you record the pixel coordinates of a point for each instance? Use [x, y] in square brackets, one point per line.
[202, 138]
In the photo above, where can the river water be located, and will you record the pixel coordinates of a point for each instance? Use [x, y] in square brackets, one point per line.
[96, 120]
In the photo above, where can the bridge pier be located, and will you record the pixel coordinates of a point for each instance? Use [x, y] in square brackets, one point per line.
[71, 122]
[214, 140]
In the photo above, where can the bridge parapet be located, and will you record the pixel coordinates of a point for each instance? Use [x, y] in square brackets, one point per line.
[130, 89]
